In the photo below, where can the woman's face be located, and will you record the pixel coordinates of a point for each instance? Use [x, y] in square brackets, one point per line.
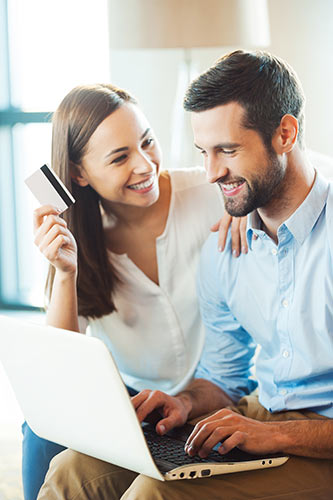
[123, 159]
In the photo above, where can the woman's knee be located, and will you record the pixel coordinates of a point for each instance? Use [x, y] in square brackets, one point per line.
[76, 467]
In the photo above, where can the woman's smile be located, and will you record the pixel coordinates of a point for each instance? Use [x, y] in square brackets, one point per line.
[143, 186]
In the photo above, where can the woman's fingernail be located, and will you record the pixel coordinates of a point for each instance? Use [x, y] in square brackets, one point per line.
[220, 249]
[235, 253]
[244, 250]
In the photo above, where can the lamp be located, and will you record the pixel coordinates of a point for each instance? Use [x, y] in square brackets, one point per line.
[187, 24]
[162, 24]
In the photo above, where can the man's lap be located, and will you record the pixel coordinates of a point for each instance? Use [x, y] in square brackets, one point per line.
[298, 479]
[88, 478]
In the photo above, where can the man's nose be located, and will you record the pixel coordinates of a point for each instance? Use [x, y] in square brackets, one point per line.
[215, 169]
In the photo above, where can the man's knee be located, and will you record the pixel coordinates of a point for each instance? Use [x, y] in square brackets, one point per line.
[147, 488]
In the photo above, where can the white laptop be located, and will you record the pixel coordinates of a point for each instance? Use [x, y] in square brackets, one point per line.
[70, 392]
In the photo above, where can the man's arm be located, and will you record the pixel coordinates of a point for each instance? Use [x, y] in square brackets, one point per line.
[309, 438]
[200, 397]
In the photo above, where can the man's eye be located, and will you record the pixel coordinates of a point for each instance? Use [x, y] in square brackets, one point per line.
[119, 159]
[228, 151]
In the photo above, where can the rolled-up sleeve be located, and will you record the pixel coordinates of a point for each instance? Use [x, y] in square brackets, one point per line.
[228, 353]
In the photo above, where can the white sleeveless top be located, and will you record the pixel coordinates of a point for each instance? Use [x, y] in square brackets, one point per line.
[156, 335]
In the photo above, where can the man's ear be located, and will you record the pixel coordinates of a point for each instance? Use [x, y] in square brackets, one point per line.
[77, 174]
[285, 136]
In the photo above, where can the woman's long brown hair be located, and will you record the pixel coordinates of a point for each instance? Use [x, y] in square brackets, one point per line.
[74, 122]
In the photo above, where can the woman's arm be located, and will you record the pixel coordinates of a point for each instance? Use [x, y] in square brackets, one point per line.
[58, 245]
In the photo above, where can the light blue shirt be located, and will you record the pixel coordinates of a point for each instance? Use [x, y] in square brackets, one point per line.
[278, 297]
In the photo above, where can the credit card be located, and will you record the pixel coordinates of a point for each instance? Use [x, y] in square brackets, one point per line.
[46, 186]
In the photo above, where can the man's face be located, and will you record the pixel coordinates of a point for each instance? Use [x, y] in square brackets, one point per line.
[235, 157]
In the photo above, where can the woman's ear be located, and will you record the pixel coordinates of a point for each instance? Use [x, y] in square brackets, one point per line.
[285, 136]
[78, 175]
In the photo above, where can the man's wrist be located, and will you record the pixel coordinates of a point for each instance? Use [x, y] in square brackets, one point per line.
[185, 398]
[282, 435]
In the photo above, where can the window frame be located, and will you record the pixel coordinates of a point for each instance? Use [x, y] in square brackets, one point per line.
[9, 117]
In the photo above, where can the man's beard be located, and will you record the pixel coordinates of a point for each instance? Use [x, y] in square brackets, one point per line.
[262, 190]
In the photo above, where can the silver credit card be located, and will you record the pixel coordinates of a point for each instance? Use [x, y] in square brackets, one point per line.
[46, 186]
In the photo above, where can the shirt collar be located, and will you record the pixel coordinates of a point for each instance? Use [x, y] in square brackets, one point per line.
[301, 222]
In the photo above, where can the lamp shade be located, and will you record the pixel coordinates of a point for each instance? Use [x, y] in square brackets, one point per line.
[188, 23]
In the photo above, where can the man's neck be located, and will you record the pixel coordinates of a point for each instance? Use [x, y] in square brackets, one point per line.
[295, 187]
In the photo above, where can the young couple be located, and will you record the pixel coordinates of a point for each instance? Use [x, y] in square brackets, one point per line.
[248, 122]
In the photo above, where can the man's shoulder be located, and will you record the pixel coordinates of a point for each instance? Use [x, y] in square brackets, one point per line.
[329, 215]
[210, 254]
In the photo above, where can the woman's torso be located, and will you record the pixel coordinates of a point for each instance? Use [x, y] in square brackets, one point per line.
[156, 335]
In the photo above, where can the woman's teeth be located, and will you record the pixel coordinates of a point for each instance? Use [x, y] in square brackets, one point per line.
[142, 185]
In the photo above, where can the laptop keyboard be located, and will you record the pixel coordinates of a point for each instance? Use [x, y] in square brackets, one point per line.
[172, 450]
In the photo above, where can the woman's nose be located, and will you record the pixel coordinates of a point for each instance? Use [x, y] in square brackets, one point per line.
[143, 165]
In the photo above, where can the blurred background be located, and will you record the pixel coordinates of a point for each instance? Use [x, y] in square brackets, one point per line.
[152, 48]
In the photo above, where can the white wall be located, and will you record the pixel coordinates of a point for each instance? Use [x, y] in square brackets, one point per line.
[301, 33]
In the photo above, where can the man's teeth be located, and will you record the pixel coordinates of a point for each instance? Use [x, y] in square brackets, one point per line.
[229, 187]
[142, 185]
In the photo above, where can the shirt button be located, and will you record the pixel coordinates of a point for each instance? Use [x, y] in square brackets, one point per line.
[283, 392]
[285, 303]
[274, 251]
[285, 354]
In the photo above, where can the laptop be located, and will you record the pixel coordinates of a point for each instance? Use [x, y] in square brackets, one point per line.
[70, 392]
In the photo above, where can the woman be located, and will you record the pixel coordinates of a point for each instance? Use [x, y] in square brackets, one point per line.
[123, 257]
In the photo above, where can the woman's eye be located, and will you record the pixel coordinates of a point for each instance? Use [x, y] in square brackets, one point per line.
[148, 142]
[119, 159]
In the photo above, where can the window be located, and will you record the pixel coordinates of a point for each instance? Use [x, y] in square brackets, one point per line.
[46, 48]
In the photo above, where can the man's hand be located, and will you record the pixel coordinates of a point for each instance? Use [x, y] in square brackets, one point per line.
[233, 430]
[174, 410]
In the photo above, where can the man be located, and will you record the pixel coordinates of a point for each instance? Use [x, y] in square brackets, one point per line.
[247, 117]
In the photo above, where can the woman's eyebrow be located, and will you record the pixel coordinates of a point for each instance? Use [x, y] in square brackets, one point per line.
[125, 148]
[145, 133]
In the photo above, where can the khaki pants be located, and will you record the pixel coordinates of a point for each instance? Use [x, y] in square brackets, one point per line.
[74, 476]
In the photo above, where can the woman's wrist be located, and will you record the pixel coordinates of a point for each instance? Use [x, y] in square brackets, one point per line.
[65, 276]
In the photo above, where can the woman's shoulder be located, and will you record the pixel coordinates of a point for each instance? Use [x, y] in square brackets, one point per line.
[191, 189]
[186, 178]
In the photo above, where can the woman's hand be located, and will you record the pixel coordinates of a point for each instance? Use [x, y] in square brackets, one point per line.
[54, 239]
[238, 233]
